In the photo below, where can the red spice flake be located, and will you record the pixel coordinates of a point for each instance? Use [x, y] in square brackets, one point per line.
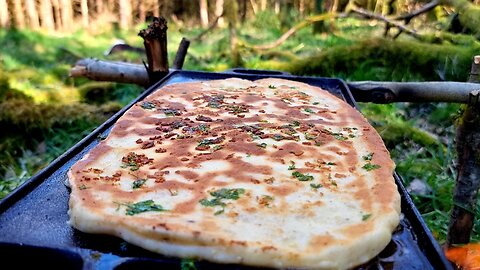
[340, 175]
[117, 174]
[184, 159]
[241, 115]
[139, 141]
[269, 180]
[255, 181]
[148, 144]
[229, 156]
[202, 147]
[261, 111]
[160, 150]
[97, 171]
[134, 161]
[169, 135]
[155, 137]
[297, 153]
[306, 143]
[203, 118]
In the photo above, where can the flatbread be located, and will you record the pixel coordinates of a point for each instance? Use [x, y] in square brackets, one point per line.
[272, 173]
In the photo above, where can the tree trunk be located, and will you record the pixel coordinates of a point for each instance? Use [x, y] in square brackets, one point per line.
[32, 14]
[99, 6]
[219, 12]
[125, 10]
[155, 42]
[142, 11]
[155, 8]
[19, 15]
[67, 13]
[231, 15]
[4, 18]
[204, 13]
[84, 8]
[57, 14]
[277, 7]
[263, 5]
[319, 27]
[46, 15]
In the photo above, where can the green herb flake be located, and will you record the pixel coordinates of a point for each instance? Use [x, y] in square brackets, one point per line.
[219, 212]
[368, 156]
[316, 186]
[217, 147]
[296, 123]
[309, 136]
[262, 145]
[316, 103]
[339, 136]
[366, 216]
[309, 110]
[302, 177]
[144, 206]
[138, 183]
[147, 105]
[82, 187]
[292, 166]
[331, 163]
[370, 166]
[228, 193]
[272, 86]
[187, 264]
[211, 203]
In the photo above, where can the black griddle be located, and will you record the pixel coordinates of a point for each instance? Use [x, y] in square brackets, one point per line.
[33, 218]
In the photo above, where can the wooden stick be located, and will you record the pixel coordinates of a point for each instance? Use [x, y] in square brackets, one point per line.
[181, 54]
[468, 177]
[121, 72]
[426, 8]
[155, 42]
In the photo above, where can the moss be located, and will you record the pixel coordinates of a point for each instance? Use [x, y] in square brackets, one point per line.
[392, 59]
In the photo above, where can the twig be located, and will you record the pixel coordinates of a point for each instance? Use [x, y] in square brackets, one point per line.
[370, 15]
[210, 28]
[181, 53]
[294, 29]
[426, 8]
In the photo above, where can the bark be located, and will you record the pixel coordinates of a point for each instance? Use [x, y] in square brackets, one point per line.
[84, 8]
[468, 176]
[155, 42]
[32, 14]
[4, 18]
[231, 12]
[19, 15]
[67, 13]
[204, 13]
[263, 5]
[46, 14]
[121, 72]
[125, 10]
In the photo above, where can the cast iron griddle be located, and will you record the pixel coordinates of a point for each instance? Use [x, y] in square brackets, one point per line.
[33, 218]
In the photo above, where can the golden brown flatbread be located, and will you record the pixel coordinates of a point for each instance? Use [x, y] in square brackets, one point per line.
[272, 173]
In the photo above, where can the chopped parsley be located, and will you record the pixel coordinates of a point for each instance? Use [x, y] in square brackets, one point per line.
[315, 186]
[309, 110]
[272, 86]
[220, 195]
[82, 187]
[138, 183]
[147, 105]
[370, 166]
[366, 216]
[331, 163]
[368, 157]
[187, 264]
[302, 177]
[316, 103]
[296, 123]
[309, 136]
[262, 145]
[292, 166]
[339, 136]
[143, 206]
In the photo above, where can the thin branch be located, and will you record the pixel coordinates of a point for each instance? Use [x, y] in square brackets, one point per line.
[294, 29]
[210, 28]
[426, 8]
[370, 15]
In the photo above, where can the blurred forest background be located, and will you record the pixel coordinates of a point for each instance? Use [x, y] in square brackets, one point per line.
[44, 111]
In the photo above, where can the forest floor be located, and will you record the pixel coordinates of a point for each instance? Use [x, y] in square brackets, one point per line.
[55, 111]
